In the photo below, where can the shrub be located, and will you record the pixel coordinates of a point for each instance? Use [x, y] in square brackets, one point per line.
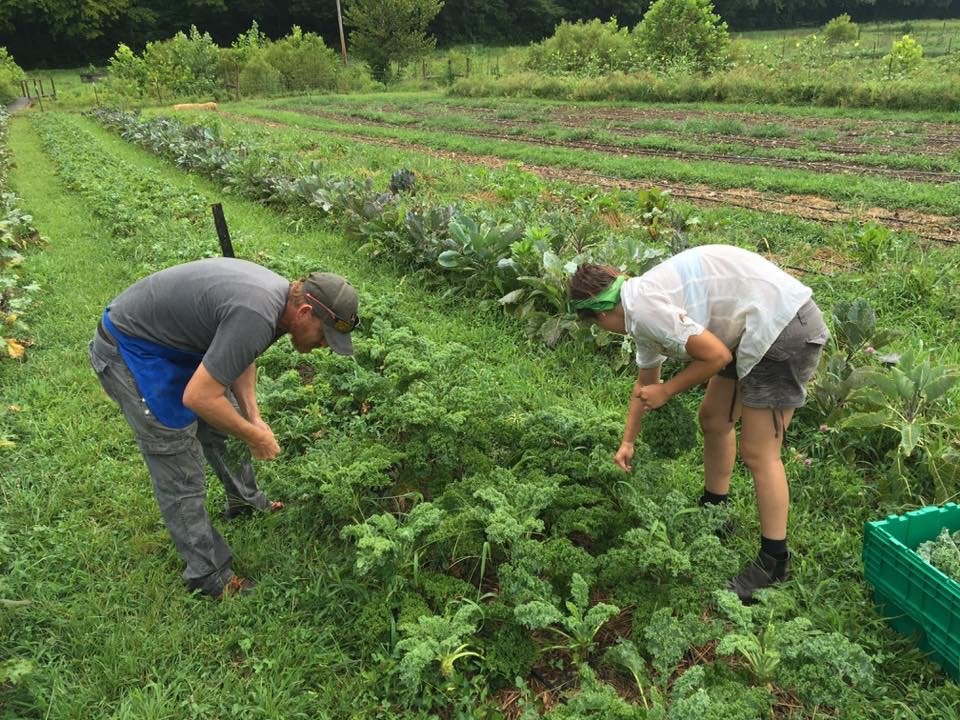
[259, 76]
[840, 30]
[10, 76]
[128, 73]
[584, 48]
[684, 33]
[184, 64]
[303, 61]
[904, 57]
[248, 43]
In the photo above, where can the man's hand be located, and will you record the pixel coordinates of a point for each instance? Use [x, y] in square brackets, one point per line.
[624, 456]
[265, 447]
[653, 396]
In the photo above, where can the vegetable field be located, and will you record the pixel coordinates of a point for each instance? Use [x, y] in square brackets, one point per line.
[457, 541]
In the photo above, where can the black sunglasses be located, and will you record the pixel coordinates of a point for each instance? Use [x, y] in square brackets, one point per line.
[344, 326]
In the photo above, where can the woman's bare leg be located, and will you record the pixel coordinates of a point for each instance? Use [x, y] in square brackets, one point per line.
[761, 443]
[719, 436]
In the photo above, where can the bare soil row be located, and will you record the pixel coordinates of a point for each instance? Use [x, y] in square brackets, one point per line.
[500, 130]
[928, 227]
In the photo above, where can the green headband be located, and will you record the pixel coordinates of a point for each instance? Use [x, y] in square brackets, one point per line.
[605, 300]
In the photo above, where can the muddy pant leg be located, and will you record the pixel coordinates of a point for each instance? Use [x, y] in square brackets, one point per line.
[175, 461]
[230, 460]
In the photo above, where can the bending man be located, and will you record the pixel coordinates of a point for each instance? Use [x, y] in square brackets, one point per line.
[176, 352]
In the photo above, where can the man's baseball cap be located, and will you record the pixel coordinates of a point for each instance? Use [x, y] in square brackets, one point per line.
[334, 301]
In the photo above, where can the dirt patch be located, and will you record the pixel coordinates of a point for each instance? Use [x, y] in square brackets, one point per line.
[736, 158]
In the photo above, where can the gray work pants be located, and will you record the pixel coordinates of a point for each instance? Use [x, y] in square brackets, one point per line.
[175, 461]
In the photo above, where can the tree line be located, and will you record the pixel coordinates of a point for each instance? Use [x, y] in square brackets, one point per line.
[52, 33]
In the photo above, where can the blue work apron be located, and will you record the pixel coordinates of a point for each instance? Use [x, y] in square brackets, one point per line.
[161, 372]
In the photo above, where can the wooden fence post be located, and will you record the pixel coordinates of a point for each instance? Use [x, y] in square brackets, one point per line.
[39, 98]
[53, 88]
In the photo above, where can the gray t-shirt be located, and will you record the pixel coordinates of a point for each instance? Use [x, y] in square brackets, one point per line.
[225, 308]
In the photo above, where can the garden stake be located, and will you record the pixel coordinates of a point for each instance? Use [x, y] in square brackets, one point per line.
[221, 224]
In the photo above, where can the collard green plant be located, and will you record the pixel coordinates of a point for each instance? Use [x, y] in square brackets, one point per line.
[908, 399]
[475, 247]
[855, 328]
[541, 299]
[665, 221]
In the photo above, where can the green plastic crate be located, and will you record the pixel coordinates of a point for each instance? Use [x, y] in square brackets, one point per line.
[915, 597]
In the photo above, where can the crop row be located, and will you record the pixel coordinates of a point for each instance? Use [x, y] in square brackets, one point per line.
[671, 139]
[17, 233]
[519, 255]
[617, 163]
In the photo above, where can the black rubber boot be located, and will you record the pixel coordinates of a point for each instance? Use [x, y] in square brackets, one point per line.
[763, 572]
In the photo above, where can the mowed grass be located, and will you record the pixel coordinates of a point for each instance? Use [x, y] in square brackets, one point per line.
[113, 633]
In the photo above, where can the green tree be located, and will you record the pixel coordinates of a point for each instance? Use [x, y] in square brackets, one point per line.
[683, 33]
[10, 76]
[386, 31]
[86, 19]
[841, 29]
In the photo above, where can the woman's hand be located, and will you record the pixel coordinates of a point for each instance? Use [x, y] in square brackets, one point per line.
[624, 456]
[653, 396]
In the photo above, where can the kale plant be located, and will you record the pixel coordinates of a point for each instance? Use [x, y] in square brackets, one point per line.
[671, 430]
[575, 629]
[437, 642]
[389, 546]
[943, 553]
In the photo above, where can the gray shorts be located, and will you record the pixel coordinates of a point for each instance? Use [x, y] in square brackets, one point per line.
[779, 380]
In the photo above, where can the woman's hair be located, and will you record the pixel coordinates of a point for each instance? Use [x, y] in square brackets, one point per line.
[589, 280]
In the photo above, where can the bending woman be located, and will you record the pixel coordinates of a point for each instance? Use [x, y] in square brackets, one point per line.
[747, 329]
